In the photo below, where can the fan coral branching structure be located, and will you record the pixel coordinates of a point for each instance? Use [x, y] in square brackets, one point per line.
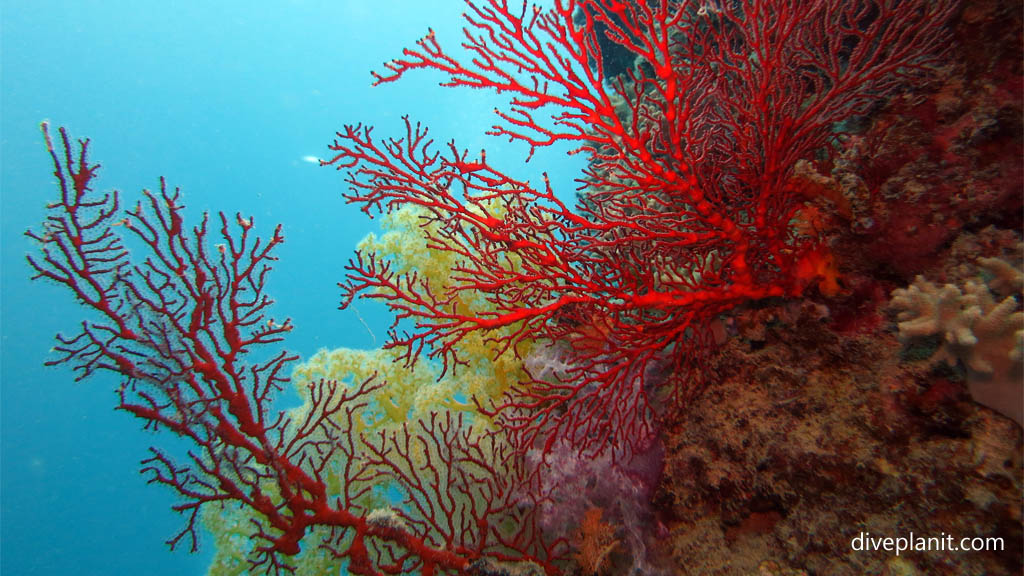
[689, 203]
[686, 214]
[180, 324]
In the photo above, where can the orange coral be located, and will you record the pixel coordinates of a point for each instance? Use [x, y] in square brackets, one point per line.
[820, 266]
[595, 542]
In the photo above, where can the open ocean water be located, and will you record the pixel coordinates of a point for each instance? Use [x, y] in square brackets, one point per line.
[232, 101]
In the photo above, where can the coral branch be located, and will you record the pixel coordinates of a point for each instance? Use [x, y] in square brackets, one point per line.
[462, 491]
[688, 196]
[181, 326]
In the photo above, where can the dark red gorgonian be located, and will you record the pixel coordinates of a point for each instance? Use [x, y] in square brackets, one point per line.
[686, 207]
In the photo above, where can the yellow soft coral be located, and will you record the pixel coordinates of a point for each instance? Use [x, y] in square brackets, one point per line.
[405, 244]
[413, 394]
[410, 395]
[231, 528]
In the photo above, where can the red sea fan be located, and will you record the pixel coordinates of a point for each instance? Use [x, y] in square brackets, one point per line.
[181, 325]
[687, 205]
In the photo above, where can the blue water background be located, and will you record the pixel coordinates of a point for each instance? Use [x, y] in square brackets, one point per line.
[225, 99]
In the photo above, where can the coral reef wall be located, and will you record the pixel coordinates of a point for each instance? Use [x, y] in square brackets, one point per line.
[893, 405]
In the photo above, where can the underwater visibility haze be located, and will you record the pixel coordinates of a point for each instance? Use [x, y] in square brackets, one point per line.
[641, 287]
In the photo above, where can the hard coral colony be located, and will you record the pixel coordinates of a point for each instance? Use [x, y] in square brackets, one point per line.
[554, 347]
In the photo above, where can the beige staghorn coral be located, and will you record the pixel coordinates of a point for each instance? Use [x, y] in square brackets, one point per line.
[1006, 278]
[977, 327]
